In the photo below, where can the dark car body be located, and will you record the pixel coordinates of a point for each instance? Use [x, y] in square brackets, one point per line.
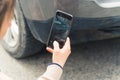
[92, 19]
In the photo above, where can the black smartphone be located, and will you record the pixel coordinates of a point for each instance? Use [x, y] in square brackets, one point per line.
[60, 29]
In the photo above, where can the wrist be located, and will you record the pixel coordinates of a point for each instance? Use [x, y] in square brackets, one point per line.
[58, 62]
[56, 65]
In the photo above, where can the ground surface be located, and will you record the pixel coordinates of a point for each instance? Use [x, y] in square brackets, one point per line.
[99, 60]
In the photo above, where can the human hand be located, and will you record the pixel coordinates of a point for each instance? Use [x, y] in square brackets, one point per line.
[60, 56]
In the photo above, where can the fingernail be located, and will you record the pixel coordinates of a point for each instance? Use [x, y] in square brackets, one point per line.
[54, 42]
[68, 38]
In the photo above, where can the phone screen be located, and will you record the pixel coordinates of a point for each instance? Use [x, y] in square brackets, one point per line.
[60, 29]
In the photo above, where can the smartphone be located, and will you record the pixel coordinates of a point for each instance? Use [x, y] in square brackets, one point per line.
[60, 29]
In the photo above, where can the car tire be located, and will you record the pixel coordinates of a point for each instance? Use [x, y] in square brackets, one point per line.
[18, 41]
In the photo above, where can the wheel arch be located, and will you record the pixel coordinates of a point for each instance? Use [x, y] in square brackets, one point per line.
[39, 28]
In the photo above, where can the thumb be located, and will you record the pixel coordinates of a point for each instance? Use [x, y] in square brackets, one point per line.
[56, 45]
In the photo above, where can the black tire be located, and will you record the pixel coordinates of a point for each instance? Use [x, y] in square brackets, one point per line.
[26, 44]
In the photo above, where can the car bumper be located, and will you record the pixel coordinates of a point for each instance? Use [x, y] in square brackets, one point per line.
[83, 29]
[91, 21]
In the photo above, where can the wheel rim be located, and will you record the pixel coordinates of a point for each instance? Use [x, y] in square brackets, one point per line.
[12, 36]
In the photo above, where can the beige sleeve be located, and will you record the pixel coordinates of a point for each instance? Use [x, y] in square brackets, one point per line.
[4, 77]
[53, 72]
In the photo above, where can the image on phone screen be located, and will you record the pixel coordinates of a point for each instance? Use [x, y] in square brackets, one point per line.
[60, 29]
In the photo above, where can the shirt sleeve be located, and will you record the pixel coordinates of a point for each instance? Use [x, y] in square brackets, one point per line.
[53, 72]
[4, 77]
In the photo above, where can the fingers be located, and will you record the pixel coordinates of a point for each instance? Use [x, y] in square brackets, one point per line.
[49, 50]
[67, 44]
[56, 47]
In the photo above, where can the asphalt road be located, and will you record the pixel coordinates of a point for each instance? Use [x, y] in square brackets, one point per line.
[99, 60]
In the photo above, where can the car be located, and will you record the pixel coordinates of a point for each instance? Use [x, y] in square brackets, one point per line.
[92, 20]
